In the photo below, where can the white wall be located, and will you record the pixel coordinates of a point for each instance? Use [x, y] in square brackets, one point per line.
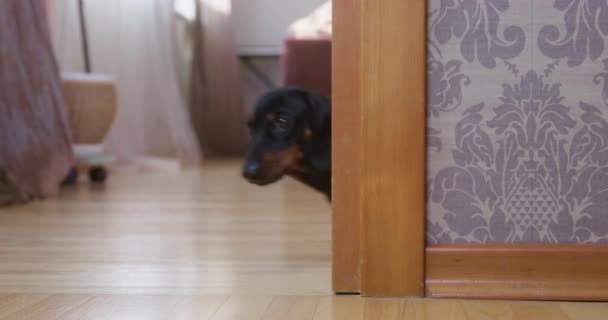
[260, 25]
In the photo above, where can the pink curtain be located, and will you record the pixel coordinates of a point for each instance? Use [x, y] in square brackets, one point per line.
[216, 105]
[35, 147]
[132, 41]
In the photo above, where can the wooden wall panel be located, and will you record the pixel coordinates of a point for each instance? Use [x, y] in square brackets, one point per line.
[529, 272]
[346, 145]
[393, 73]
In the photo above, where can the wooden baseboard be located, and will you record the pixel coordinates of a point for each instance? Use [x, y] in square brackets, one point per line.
[522, 272]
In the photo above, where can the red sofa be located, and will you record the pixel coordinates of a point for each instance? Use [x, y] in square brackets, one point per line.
[307, 64]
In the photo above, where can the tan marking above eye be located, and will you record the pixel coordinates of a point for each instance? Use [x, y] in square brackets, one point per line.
[307, 133]
[271, 116]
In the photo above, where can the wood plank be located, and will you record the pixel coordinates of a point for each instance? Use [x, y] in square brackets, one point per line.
[11, 304]
[341, 307]
[383, 309]
[206, 231]
[204, 307]
[197, 307]
[587, 311]
[346, 118]
[243, 307]
[555, 272]
[52, 308]
[293, 308]
[393, 147]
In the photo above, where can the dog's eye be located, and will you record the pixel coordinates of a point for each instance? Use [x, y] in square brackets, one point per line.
[282, 123]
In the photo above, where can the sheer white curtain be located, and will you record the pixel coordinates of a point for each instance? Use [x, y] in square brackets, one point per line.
[132, 40]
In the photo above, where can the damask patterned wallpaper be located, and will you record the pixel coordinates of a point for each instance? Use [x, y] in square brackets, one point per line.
[518, 121]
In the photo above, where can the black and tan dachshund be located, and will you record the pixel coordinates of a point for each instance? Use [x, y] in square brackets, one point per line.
[291, 135]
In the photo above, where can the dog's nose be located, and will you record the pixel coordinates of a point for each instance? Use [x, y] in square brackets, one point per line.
[251, 171]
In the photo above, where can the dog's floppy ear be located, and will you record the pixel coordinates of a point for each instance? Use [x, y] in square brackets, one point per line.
[320, 124]
[320, 117]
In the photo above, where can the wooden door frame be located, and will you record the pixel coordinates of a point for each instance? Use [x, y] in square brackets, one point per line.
[379, 78]
[379, 122]
[346, 136]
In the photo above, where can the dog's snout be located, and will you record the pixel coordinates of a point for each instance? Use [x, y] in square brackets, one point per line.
[251, 170]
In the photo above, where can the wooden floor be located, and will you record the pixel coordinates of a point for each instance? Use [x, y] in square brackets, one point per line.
[201, 244]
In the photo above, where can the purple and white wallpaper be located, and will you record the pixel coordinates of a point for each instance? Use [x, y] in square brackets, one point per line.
[518, 121]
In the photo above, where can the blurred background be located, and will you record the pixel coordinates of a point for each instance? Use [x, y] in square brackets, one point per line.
[122, 135]
[156, 84]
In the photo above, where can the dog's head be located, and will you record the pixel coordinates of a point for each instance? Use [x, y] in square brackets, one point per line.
[283, 128]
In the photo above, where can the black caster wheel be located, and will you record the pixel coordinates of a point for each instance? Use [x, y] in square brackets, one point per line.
[98, 174]
[71, 178]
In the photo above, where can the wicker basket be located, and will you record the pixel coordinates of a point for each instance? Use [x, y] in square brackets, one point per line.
[92, 106]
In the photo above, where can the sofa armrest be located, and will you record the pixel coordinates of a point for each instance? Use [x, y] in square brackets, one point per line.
[307, 64]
